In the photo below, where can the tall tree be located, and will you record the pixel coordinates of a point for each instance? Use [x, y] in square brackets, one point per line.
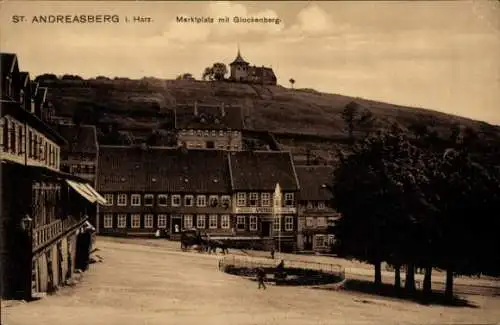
[292, 82]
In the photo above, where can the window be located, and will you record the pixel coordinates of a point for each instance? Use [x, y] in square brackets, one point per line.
[310, 222]
[288, 199]
[288, 223]
[240, 222]
[321, 205]
[122, 221]
[162, 221]
[188, 200]
[188, 221]
[191, 132]
[321, 221]
[225, 221]
[201, 201]
[176, 200]
[321, 240]
[206, 133]
[213, 133]
[253, 223]
[108, 221]
[309, 205]
[236, 147]
[135, 200]
[265, 199]
[226, 201]
[241, 199]
[122, 199]
[109, 198]
[162, 200]
[148, 221]
[253, 199]
[277, 224]
[213, 201]
[148, 200]
[212, 221]
[200, 221]
[221, 133]
[135, 221]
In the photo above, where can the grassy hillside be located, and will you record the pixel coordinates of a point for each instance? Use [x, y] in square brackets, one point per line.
[142, 104]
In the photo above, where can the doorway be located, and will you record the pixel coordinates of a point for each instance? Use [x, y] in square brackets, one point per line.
[176, 226]
[308, 242]
[266, 229]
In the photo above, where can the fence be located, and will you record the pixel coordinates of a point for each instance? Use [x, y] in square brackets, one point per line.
[256, 262]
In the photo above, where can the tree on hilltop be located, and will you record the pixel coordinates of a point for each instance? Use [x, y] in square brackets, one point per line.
[217, 71]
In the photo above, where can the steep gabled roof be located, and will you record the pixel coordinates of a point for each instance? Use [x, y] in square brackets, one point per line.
[24, 78]
[214, 117]
[311, 179]
[165, 170]
[8, 63]
[239, 60]
[261, 170]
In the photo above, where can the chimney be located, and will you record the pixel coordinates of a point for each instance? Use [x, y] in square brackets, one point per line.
[195, 108]
[222, 110]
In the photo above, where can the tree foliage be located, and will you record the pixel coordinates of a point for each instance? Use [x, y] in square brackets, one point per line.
[217, 71]
[405, 202]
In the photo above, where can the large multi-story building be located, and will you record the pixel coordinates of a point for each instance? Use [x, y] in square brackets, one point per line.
[254, 175]
[42, 208]
[209, 126]
[223, 193]
[315, 209]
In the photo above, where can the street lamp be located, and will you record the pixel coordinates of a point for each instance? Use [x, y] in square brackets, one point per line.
[26, 223]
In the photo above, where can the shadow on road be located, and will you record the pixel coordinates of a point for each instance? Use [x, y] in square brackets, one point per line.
[389, 291]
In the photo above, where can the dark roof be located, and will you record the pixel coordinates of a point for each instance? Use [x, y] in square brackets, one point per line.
[264, 71]
[209, 117]
[239, 60]
[165, 170]
[81, 139]
[8, 62]
[261, 170]
[34, 88]
[41, 95]
[24, 78]
[311, 179]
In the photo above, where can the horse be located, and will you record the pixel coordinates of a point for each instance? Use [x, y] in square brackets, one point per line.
[214, 244]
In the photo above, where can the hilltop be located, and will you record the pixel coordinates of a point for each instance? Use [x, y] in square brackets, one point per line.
[297, 117]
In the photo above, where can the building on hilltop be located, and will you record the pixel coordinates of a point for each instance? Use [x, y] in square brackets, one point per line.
[209, 126]
[43, 210]
[242, 71]
[315, 211]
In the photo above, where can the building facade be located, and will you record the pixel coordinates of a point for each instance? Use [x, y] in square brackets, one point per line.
[242, 71]
[79, 155]
[228, 195]
[316, 214]
[205, 126]
[42, 208]
[254, 175]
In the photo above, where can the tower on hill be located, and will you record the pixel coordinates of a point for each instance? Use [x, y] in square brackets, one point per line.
[242, 71]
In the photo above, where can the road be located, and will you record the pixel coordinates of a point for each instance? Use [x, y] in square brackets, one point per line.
[153, 283]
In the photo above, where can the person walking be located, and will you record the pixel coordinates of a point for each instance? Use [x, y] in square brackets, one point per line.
[261, 275]
[272, 253]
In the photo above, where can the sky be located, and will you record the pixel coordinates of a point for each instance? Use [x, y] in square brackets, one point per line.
[437, 55]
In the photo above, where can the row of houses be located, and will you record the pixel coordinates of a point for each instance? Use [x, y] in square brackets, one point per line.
[227, 194]
[44, 211]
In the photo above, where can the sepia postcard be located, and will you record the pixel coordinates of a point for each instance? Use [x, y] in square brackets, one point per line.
[249, 162]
